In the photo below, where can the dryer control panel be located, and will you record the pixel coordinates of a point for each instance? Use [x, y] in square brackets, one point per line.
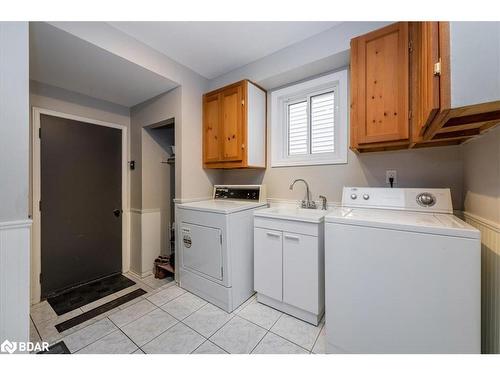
[412, 199]
[255, 193]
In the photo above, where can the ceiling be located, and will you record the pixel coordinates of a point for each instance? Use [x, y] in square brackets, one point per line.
[63, 60]
[215, 48]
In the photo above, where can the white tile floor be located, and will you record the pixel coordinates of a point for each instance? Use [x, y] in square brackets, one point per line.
[169, 319]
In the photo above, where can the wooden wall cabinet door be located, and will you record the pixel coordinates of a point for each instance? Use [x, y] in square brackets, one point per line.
[211, 125]
[424, 77]
[233, 137]
[379, 87]
[429, 79]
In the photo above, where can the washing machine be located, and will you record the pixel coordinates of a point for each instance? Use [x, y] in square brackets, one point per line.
[402, 274]
[216, 244]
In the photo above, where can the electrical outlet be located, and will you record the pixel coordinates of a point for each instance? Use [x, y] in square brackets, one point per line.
[391, 173]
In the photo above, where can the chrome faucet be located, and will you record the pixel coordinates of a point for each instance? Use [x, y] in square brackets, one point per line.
[306, 202]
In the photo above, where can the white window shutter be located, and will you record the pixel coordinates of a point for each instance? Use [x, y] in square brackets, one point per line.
[297, 129]
[322, 123]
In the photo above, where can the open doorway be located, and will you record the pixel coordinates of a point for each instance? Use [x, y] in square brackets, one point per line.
[161, 160]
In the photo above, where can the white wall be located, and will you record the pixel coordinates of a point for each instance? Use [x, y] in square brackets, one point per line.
[14, 121]
[475, 62]
[14, 171]
[146, 151]
[194, 181]
[432, 168]
[482, 176]
[322, 52]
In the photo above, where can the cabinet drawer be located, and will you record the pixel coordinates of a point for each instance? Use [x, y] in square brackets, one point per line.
[268, 263]
[300, 271]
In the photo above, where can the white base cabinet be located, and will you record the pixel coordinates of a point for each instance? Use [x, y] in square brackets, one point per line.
[289, 267]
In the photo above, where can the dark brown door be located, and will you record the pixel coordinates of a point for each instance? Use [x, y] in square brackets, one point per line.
[81, 224]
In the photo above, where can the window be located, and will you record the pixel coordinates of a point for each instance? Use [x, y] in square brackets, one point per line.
[309, 122]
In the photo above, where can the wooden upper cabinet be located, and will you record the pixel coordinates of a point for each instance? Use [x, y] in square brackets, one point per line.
[468, 76]
[233, 114]
[211, 116]
[422, 84]
[379, 87]
[234, 127]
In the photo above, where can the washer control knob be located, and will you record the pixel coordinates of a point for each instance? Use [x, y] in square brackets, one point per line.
[366, 197]
[426, 199]
[353, 196]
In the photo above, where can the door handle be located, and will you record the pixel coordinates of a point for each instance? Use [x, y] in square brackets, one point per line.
[117, 212]
[271, 234]
[288, 237]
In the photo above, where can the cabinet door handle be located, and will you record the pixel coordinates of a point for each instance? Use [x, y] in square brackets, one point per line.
[271, 234]
[288, 237]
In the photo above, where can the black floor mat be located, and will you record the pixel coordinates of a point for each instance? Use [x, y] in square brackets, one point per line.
[58, 348]
[70, 323]
[87, 293]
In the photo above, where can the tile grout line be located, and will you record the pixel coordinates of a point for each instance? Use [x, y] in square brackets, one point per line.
[62, 336]
[168, 329]
[108, 317]
[262, 338]
[36, 328]
[213, 343]
[269, 330]
[317, 337]
[127, 336]
[284, 338]
[161, 333]
[83, 347]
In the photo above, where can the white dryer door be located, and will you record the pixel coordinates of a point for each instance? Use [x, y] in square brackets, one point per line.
[202, 249]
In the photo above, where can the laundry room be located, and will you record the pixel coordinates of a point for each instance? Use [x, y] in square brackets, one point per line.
[199, 187]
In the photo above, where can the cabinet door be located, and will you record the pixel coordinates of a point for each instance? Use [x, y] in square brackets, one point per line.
[232, 123]
[301, 271]
[425, 79]
[268, 263]
[381, 71]
[211, 128]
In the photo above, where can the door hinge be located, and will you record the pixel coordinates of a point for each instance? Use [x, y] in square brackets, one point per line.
[409, 115]
[39, 205]
[410, 45]
[40, 133]
[220, 238]
[40, 277]
[437, 68]
[243, 102]
[222, 272]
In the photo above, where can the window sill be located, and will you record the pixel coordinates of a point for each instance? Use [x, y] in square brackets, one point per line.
[305, 163]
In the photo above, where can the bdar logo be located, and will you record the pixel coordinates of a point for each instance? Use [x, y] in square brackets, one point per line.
[9, 347]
